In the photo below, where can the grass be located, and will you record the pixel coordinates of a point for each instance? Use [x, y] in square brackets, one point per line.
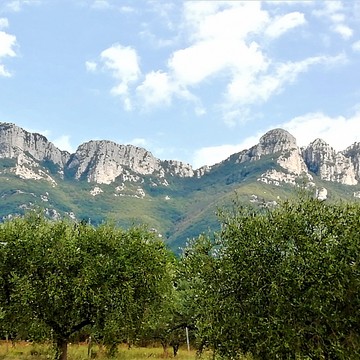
[33, 351]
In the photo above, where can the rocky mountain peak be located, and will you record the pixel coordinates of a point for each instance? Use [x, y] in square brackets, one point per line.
[104, 161]
[275, 141]
[15, 141]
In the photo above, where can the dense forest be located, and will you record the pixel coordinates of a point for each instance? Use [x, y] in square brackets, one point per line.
[280, 283]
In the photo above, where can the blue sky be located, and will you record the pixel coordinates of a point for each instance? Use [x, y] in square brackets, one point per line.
[188, 80]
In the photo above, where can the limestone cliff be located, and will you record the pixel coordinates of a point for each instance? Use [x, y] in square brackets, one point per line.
[15, 140]
[95, 161]
[104, 161]
[353, 153]
[329, 165]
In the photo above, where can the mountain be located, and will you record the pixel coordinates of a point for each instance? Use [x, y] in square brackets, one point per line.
[126, 184]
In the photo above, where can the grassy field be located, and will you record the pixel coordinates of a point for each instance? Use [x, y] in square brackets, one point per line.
[30, 351]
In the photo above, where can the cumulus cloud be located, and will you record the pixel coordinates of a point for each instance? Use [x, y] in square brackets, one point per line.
[222, 44]
[7, 45]
[123, 64]
[217, 47]
[345, 31]
[156, 89]
[222, 47]
[252, 88]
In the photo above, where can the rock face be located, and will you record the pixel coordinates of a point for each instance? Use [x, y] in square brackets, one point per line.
[14, 141]
[275, 141]
[95, 161]
[353, 153]
[103, 162]
[324, 161]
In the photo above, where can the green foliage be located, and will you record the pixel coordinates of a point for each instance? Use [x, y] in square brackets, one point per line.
[59, 277]
[281, 284]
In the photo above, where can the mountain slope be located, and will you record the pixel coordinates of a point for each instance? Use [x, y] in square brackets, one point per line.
[103, 181]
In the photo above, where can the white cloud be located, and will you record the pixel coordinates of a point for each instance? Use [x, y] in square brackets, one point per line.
[63, 143]
[344, 31]
[220, 48]
[7, 44]
[250, 88]
[291, 2]
[123, 64]
[217, 32]
[334, 12]
[4, 23]
[284, 23]
[156, 89]
[339, 132]
[356, 46]
[91, 66]
[222, 45]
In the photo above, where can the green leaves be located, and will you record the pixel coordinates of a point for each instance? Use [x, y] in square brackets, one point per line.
[283, 283]
[64, 276]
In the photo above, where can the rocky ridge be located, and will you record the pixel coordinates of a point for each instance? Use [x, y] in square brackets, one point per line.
[103, 162]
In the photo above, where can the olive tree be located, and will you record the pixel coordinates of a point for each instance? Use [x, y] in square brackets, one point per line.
[283, 283]
[62, 277]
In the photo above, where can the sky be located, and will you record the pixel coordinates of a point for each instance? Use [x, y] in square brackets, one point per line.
[194, 81]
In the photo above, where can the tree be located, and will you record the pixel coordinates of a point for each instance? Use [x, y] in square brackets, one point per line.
[64, 277]
[283, 283]
[168, 324]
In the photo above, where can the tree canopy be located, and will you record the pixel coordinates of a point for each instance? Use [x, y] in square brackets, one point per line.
[281, 284]
[59, 277]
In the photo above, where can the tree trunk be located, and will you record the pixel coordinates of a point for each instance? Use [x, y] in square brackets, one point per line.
[164, 346]
[61, 349]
